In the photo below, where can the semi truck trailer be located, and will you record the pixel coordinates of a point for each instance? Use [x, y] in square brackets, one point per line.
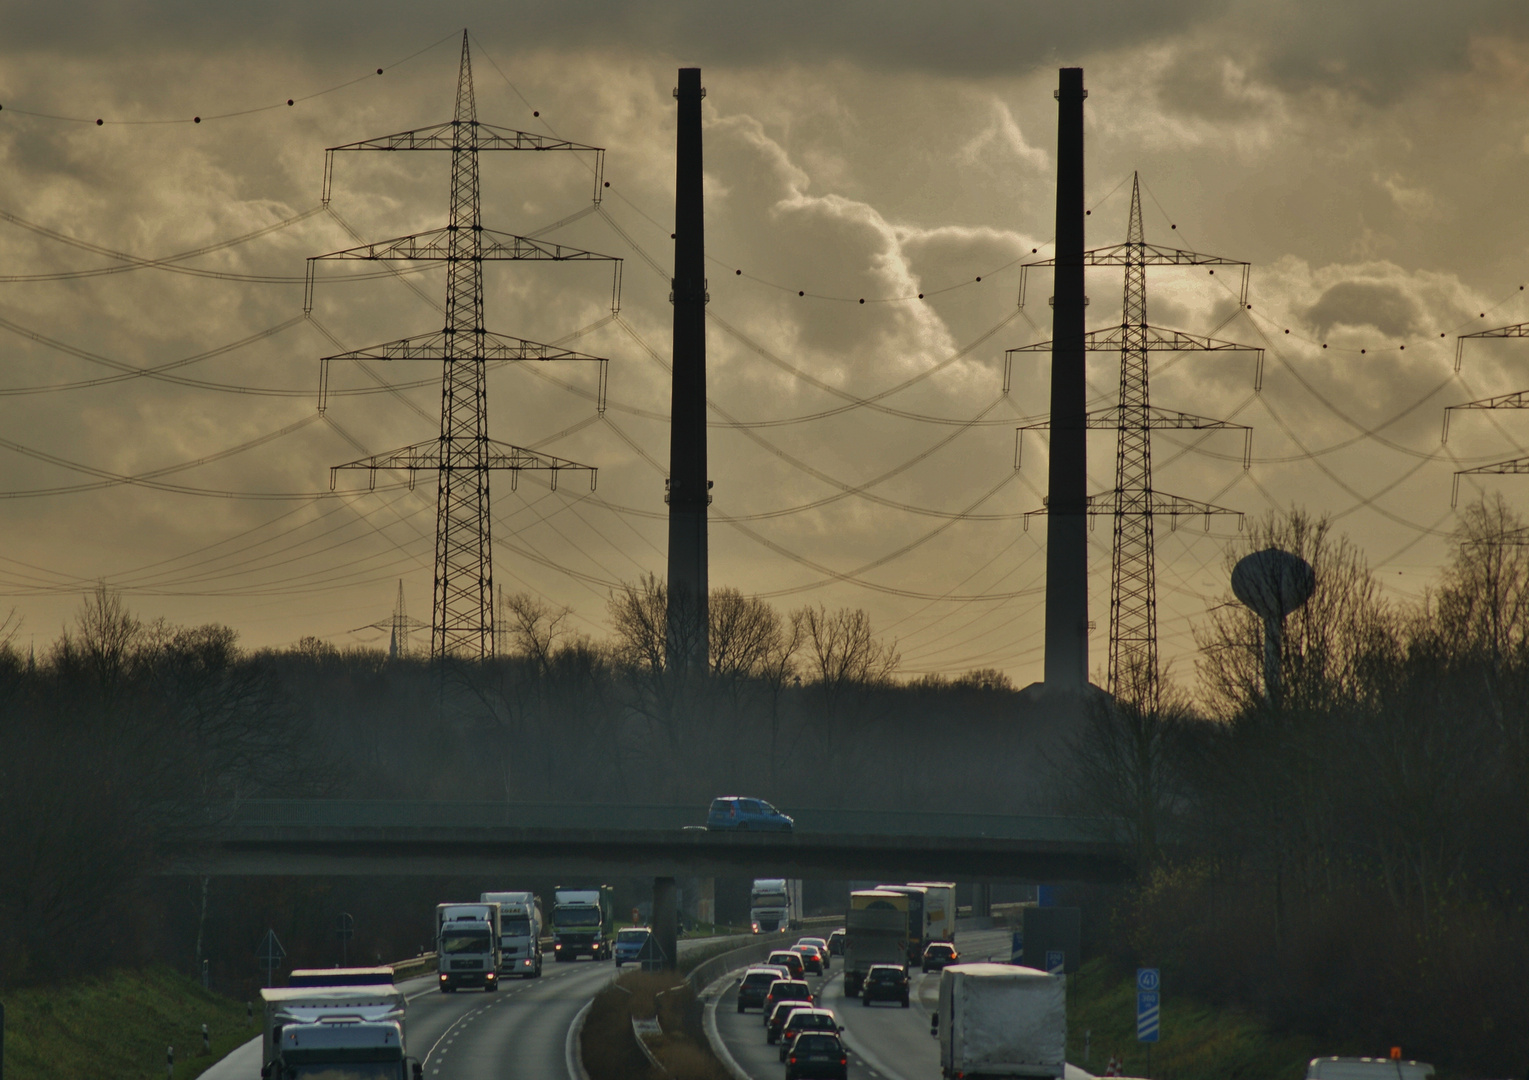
[875, 932]
[1000, 1021]
[775, 904]
[520, 933]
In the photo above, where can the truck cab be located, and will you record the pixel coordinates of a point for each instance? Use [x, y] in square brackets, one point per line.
[583, 923]
[342, 1048]
[467, 946]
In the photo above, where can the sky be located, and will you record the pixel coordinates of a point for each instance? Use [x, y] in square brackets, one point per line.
[1366, 159]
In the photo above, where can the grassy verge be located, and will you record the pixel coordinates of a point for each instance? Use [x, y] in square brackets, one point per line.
[118, 1025]
[1198, 1042]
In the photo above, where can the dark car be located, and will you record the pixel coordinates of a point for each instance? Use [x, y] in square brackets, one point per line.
[821, 943]
[787, 990]
[817, 1054]
[885, 982]
[805, 1019]
[755, 985]
[780, 1016]
[937, 954]
[836, 942]
[812, 959]
[790, 960]
[733, 813]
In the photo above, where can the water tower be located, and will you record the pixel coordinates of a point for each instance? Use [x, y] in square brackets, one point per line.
[1273, 583]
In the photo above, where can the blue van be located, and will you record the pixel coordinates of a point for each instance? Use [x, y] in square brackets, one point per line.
[733, 813]
[629, 943]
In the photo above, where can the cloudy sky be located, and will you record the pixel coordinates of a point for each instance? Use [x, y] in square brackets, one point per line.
[1366, 158]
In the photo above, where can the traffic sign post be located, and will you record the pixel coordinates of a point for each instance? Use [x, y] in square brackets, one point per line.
[1148, 1006]
[270, 954]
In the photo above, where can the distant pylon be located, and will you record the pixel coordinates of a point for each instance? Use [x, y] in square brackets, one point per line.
[1133, 659]
[1517, 400]
[462, 623]
[398, 625]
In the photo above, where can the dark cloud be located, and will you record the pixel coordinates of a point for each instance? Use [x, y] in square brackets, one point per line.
[1360, 303]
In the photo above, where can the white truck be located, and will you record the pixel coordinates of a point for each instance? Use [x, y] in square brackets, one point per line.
[775, 904]
[939, 910]
[340, 1011]
[520, 933]
[998, 1020]
[343, 1047]
[467, 946]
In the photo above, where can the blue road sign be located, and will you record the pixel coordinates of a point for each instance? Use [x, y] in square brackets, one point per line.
[1146, 1016]
[1056, 960]
[1146, 979]
[1017, 950]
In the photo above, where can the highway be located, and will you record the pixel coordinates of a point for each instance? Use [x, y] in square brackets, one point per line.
[520, 1029]
[885, 1041]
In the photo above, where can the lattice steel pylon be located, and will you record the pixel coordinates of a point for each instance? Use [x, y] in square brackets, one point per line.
[1516, 400]
[1134, 503]
[462, 624]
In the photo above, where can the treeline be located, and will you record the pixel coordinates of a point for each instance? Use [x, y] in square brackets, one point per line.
[125, 732]
[1351, 857]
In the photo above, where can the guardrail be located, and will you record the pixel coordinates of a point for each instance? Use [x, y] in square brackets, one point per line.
[381, 813]
[415, 966]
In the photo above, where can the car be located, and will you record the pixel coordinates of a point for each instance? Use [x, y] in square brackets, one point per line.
[836, 942]
[756, 984]
[821, 943]
[885, 982]
[629, 943]
[812, 960]
[780, 1015]
[937, 954]
[792, 961]
[805, 1019]
[786, 990]
[817, 1054]
[734, 813]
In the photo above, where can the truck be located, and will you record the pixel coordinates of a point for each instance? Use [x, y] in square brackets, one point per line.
[875, 932]
[998, 1020]
[939, 910]
[467, 946]
[346, 1009]
[583, 923]
[520, 933]
[916, 920]
[343, 1047]
[775, 904]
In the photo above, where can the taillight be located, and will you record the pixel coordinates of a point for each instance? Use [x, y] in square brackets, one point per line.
[844, 1061]
[793, 1061]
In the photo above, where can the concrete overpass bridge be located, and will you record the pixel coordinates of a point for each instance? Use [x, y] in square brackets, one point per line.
[381, 837]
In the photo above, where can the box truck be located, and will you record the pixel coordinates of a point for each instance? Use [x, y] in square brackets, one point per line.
[875, 932]
[583, 923]
[998, 1020]
[467, 946]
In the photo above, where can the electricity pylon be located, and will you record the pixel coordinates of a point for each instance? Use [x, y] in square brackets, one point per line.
[462, 624]
[1516, 400]
[1134, 503]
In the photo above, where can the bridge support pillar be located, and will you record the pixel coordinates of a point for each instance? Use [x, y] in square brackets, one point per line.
[982, 900]
[666, 921]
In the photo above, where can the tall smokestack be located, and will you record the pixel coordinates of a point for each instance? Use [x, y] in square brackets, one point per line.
[689, 490]
[1067, 502]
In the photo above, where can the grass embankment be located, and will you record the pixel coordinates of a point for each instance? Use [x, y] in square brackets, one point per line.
[116, 1026]
[611, 1051]
[1197, 1041]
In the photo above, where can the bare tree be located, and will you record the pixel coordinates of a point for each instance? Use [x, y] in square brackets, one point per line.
[841, 650]
[535, 628]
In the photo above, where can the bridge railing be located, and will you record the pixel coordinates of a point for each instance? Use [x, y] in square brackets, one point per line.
[404, 814]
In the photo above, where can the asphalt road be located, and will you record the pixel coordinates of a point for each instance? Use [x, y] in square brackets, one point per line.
[521, 1029]
[885, 1041]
